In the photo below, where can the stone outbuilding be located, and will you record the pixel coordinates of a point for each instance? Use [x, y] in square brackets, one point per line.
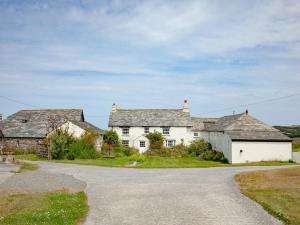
[27, 129]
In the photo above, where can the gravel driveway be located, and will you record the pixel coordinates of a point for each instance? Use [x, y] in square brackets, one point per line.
[123, 196]
[6, 171]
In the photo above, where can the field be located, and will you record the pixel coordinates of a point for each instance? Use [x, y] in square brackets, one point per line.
[278, 191]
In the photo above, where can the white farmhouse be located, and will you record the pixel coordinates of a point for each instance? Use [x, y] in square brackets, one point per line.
[240, 137]
[132, 125]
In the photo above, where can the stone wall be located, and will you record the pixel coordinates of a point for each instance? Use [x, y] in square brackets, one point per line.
[36, 144]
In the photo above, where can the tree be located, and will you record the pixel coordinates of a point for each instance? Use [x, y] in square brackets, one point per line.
[111, 138]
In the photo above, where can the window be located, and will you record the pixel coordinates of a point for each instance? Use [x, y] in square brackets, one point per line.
[196, 134]
[166, 130]
[142, 144]
[24, 121]
[146, 130]
[125, 142]
[170, 143]
[125, 130]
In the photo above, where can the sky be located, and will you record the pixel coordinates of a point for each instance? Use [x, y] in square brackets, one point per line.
[220, 55]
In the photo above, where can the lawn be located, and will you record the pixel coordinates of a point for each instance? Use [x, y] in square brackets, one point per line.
[153, 162]
[278, 191]
[55, 208]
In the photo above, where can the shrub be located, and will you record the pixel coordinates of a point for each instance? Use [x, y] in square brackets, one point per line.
[213, 156]
[60, 141]
[178, 150]
[156, 140]
[111, 137]
[82, 150]
[71, 156]
[121, 151]
[207, 155]
[199, 146]
[159, 152]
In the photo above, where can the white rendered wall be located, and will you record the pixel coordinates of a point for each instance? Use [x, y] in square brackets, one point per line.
[260, 151]
[72, 129]
[136, 134]
[77, 131]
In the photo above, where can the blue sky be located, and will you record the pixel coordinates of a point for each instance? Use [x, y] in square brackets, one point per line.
[151, 54]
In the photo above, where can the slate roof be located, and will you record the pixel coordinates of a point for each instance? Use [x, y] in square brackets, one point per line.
[88, 126]
[34, 123]
[245, 127]
[150, 117]
[201, 124]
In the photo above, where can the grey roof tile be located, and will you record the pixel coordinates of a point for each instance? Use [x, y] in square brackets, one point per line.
[34, 123]
[150, 117]
[245, 127]
[201, 123]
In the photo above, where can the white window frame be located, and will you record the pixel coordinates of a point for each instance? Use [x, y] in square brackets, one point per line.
[125, 131]
[142, 144]
[170, 143]
[125, 144]
[146, 130]
[166, 130]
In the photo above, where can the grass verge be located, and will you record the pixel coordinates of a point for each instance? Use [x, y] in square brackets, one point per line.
[154, 162]
[27, 166]
[52, 208]
[278, 191]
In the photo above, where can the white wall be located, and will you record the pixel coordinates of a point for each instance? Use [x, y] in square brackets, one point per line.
[77, 131]
[220, 142]
[260, 151]
[136, 134]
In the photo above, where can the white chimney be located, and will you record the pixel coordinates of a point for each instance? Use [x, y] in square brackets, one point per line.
[185, 107]
[114, 108]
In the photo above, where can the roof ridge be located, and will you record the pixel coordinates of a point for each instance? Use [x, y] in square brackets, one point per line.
[147, 109]
[49, 109]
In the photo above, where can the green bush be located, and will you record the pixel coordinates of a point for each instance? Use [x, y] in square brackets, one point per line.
[82, 150]
[60, 142]
[111, 137]
[70, 156]
[120, 151]
[213, 155]
[178, 150]
[197, 147]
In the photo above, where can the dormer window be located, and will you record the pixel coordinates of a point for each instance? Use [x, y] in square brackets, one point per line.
[24, 121]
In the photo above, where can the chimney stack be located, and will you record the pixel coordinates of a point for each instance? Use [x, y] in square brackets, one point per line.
[185, 107]
[247, 112]
[0, 116]
[114, 108]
